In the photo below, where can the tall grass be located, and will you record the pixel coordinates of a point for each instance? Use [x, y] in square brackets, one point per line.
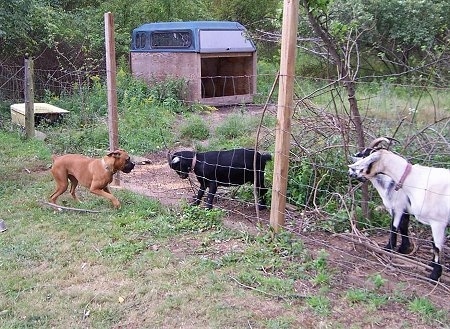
[146, 115]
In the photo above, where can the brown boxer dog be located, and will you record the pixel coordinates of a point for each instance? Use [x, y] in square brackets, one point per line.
[95, 174]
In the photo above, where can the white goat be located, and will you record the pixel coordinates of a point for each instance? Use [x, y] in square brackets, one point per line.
[396, 203]
[427, 188]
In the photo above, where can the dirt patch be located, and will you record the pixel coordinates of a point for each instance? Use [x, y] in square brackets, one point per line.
[153, 177]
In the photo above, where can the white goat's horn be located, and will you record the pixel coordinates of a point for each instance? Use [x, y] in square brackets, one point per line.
[379, 140]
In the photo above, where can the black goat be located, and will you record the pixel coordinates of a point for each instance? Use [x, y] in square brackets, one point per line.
[222, 168]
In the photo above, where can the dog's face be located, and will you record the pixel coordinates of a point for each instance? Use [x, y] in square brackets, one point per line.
[122, 161]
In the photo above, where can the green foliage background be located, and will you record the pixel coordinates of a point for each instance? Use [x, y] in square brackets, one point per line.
[393, 38]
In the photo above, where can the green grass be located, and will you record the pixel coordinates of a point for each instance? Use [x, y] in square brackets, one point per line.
[427, 310]
[194, 128]
[149, 265]
[162, 266]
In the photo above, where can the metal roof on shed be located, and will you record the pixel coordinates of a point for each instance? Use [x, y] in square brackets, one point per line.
[204, 37]
[202, 25]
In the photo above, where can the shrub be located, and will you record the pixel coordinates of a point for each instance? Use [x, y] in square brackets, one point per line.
[194, 128]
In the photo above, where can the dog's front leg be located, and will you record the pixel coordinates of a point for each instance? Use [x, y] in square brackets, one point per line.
[104, 192]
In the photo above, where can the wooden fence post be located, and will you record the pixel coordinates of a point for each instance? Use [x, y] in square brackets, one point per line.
[113, 121]
[29, 97]
[284, 114]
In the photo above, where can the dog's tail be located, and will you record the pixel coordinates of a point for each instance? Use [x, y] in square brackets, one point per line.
[53, 161]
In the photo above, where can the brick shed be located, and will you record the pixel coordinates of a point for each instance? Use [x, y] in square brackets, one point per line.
[216, 58]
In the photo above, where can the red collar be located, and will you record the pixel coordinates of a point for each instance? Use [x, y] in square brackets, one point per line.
[399, 185]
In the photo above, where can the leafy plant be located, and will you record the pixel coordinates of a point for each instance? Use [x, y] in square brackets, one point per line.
[425, 308]
[194, 128]
[378, 281]
[170, 93]
[144, 121]
[234, 126]
[320, 304]
[198, 219]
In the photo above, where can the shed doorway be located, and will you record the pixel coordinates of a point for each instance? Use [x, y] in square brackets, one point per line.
[227, 75]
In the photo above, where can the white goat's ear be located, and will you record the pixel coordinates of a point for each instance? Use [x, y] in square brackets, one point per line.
[355, 159]
[175, 160]
[362, 163]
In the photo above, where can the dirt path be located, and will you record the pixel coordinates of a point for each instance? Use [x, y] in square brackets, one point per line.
[155, 179]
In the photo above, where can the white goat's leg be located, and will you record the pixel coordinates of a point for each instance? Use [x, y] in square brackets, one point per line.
[403, 229]
[438, 231]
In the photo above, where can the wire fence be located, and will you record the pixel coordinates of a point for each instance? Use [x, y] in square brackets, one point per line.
[320, 194]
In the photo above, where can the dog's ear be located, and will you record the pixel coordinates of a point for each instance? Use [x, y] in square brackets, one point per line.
[115, 154]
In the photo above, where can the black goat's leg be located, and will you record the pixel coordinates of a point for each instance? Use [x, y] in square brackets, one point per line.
[261, 190]
[212, 189]
[200, 193]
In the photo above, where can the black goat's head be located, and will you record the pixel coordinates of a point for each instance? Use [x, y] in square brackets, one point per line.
[181, 162]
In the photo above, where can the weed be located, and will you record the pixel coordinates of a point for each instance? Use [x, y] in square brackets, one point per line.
[281, 322]
[322, 278]
[357, 295]
[234, 126]
[426, 309]
[371, 298]
[146, 114]
[378, 281]
[170, 93]
[266, 284]
[320, 304]
[198, 219]
[123, 250]
[194, 128]
[284, 244]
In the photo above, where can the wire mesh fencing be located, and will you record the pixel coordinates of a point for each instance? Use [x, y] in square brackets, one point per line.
[323, 205]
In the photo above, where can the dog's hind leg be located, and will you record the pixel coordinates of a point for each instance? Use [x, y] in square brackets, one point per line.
[61, 187]
[73, 186]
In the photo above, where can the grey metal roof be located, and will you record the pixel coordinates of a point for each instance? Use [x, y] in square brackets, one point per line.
[191, 36]
[192, 25]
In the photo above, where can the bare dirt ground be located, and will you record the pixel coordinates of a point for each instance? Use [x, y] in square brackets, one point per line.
[354, 262]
